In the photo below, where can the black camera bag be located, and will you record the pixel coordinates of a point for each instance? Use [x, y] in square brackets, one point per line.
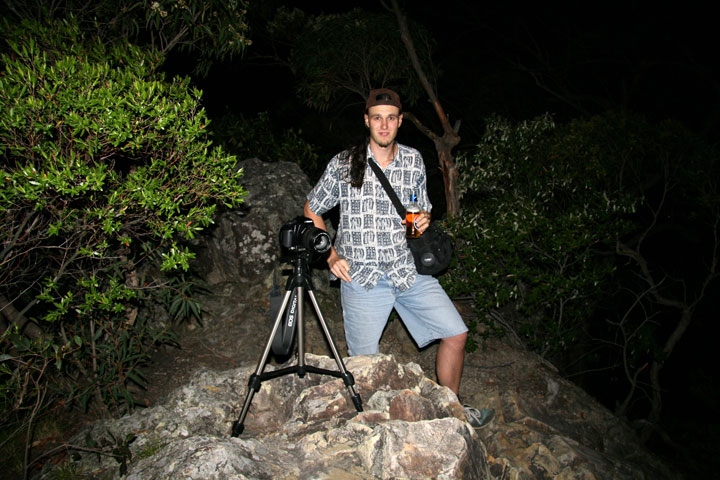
[433, 250]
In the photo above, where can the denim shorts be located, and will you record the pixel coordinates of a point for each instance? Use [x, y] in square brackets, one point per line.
[425, 309]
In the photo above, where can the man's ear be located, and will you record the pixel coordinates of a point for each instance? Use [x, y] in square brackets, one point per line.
[400, 120]
[367, 121]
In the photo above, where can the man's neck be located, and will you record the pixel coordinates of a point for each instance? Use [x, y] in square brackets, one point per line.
[383, 155]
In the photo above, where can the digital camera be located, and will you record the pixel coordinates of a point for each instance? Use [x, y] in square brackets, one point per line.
[301, 235]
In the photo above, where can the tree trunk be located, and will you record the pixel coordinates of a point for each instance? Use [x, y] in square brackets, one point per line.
[450, 177]
[656, 398]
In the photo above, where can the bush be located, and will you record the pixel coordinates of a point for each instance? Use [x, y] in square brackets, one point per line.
[256, 137]
[107, 171]
[540, 204]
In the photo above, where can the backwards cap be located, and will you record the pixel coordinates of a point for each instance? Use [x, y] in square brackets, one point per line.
[382, 96]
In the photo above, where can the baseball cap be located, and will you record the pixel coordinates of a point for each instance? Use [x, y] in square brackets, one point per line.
[382, 96]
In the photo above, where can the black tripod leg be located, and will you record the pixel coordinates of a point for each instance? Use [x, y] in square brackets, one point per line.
[344, 374]
[255, 380]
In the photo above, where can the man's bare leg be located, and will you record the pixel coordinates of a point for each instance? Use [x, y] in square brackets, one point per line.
[449, 362]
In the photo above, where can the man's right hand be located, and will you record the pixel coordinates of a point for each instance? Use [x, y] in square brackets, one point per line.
[339, 266]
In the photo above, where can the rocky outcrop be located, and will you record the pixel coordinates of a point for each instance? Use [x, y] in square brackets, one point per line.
[241, 259]
[410, 427]
[307, 427]
[547, 427]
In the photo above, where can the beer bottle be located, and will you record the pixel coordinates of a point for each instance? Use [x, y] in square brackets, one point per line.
[411, 214]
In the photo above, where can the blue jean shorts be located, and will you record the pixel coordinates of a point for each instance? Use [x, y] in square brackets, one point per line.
[425, 309]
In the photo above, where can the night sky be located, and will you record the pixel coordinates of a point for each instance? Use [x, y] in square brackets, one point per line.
[521, 59]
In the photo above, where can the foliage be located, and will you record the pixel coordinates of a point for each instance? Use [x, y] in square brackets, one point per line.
[337, 55]
[210, 29]
[120, 450]
[540, 205]
[179, 299]
[564, 241]
[66, 471]
[257, 137]
[107, 171]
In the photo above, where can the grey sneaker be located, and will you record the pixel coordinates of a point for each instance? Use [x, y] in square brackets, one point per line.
[478, 418]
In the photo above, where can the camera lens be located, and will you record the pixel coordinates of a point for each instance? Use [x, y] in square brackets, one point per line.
[319, 241]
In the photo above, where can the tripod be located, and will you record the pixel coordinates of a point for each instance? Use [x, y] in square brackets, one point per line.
[297, 283]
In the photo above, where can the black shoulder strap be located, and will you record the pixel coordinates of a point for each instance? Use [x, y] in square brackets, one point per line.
[388, 188]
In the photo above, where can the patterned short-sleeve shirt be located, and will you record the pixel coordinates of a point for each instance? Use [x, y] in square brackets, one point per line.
[370, 235]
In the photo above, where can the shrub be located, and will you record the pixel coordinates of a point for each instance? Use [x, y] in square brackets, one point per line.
[107, 170]
[540, 203]
[256, 137]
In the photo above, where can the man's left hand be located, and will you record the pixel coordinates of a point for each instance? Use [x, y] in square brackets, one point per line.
[423, 221]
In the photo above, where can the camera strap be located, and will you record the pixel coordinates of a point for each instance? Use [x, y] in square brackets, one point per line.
[282, 343]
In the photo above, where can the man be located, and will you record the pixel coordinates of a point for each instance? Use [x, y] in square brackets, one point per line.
[371, 256]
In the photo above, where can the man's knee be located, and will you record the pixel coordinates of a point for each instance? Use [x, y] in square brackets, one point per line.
[457, 342]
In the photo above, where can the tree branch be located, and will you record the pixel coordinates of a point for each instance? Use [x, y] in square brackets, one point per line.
[17, 319]
[420, 126]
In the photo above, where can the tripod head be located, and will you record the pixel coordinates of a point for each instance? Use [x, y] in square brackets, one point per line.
[300, 276]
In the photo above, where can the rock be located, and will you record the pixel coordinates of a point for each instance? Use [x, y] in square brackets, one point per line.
[299, 428]
[442, 448]
[547, 427]
[243, 244]
[239, 257]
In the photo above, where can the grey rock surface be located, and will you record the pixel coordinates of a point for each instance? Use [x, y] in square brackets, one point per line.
[307, 427]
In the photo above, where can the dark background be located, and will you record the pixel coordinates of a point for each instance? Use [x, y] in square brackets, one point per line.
[520, 60]
[656, 58]
[517, 59]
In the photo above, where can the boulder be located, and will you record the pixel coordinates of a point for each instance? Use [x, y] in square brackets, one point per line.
[297, 427]
[243, 244]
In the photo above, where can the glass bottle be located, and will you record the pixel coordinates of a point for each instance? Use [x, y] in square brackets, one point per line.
[411, 215]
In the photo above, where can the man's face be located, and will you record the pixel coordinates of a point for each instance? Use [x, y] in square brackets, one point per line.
[383, 122]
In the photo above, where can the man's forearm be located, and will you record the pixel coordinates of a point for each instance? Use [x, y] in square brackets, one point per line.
[317, 219]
